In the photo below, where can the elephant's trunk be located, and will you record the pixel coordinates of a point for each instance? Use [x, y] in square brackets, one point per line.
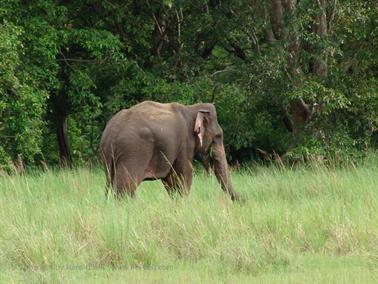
[221, 171]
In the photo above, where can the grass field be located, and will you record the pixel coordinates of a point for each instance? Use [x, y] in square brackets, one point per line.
[304, 225]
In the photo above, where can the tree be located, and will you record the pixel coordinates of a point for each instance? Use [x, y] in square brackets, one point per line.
[294, 77]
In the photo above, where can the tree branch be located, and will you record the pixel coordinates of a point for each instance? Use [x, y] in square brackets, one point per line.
[237, 50]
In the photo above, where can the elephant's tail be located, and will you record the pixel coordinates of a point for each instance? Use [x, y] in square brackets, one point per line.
[109, 167]
[110, 170]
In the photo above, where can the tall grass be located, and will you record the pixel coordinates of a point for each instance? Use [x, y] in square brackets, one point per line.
[313, 223]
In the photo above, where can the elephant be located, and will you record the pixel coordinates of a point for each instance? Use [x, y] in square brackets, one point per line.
[154, 140]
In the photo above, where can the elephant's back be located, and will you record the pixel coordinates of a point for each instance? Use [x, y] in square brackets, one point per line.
[145, 111]
[154, 115]
[153, 110]
[148, 119]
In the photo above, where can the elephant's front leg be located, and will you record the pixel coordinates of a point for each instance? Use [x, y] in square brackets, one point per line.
[171, 184]
[179, 178]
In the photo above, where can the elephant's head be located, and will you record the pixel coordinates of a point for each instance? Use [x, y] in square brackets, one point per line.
[209, 148]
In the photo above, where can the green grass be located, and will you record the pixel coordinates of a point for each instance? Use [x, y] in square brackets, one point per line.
[304, 225]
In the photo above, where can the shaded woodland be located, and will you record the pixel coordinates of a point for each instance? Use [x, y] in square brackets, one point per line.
[295, 79]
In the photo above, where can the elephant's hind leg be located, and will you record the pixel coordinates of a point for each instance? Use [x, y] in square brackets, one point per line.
[126, 181]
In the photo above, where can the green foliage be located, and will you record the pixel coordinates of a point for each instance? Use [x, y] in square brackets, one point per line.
[83, 61]
[22, 104]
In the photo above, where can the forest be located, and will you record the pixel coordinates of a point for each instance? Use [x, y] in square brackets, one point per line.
[291, 79]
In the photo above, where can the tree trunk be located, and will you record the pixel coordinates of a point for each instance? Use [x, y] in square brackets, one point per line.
[285, 30]
[300, 110]
[60, 108]
[320, 28]
[276, 19]
[63, 142]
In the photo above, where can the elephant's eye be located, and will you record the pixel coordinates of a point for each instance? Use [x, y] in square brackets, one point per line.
[218, 137]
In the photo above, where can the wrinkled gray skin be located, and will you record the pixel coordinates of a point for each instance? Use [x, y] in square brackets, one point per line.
[159, 141]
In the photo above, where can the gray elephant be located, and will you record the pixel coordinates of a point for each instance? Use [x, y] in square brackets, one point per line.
[159, 141]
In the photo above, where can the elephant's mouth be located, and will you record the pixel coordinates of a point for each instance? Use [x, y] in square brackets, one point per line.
[203, 154]
[205, 157]
[200, 156]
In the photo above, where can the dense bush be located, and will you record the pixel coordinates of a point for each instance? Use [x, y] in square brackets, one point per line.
[297, 78]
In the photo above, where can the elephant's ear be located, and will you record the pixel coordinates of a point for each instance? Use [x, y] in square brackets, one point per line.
[199, 127]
